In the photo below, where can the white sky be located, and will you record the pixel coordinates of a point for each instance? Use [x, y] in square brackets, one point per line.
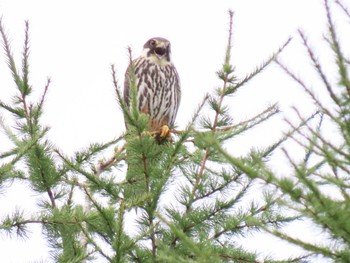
[75, 42]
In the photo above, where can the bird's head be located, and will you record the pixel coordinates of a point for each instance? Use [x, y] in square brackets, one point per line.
[157, 50]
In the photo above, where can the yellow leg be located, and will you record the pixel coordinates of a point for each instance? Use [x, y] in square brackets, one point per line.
[164, 131]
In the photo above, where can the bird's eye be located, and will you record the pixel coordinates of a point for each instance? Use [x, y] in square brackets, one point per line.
[152, 42]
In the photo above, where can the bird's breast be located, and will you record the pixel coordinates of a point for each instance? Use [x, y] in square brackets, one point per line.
[157, 87]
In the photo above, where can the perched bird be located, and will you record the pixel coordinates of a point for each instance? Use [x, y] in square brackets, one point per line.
[158, 85]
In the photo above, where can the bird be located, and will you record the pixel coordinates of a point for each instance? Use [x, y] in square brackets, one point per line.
[158, 86]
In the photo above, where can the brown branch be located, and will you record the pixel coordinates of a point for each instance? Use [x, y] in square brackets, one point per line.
[45, 92]
[214, 126]
[48, 190]
[43, 222]
[113, 160]
[114, 79]
[319, 68]
[343, 7]
[306, 89]
[337, 50]
[93, 243]
[226, 80]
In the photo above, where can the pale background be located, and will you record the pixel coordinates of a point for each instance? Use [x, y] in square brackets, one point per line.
[75, 42]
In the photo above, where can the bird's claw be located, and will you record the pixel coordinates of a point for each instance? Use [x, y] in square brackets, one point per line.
[164, 131]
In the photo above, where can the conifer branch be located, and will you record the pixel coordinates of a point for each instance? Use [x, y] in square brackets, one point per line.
[306, 89]
[307, 246]
[113, 160]
[319, 149]
[344, 79]
[8, 52]
[100, 209]
[25, 65]
[91, 241]
[260, 68]
[227, 70]
[46, 88]
[205, 185]
[343, 7]
[318, 68]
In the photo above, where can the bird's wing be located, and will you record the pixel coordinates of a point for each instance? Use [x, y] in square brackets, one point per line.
[127, 86]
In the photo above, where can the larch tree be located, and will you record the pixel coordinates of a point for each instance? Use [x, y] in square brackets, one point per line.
[189, 199]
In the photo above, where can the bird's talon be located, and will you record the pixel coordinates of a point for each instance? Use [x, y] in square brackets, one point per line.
[164, 131]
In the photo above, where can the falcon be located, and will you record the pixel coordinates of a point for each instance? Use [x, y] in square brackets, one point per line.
[158, 86]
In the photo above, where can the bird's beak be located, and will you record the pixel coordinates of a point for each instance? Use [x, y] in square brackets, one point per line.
[160, 50]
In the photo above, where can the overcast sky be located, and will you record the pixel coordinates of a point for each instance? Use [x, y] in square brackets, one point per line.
[75, 42]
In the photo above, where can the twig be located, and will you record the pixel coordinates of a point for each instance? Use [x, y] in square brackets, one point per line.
[44, 93]
[318, 67]
[342, 6]
[103, 166]
[306, 89]
[214, 127]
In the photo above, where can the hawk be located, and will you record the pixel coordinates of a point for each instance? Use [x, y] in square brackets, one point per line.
[158, 85]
